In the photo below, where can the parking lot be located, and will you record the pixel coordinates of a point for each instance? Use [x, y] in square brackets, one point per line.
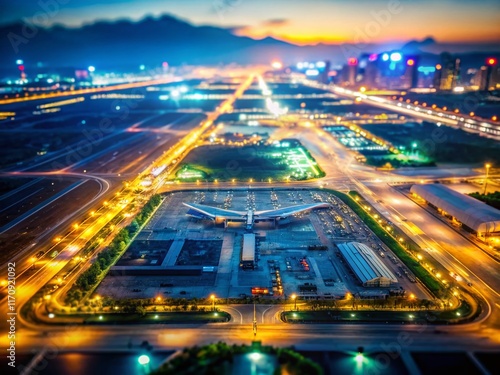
[297, 256]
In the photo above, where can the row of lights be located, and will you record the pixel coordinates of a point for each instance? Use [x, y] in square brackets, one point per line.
[444, 108]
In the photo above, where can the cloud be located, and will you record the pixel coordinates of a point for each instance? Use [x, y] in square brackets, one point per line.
[263, 29]
[275, 22]
[239, 29]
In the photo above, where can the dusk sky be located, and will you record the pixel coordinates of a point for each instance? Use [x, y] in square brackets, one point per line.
[297, 21]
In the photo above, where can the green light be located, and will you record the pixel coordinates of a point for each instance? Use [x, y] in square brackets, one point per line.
[143, 360]
[255, 356]
[359, 357]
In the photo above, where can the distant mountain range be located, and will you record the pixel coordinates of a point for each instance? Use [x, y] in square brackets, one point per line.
[154, 40]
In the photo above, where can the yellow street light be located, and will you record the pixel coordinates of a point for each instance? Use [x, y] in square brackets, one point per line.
[294, 299]
[212, 297]
[487, 166]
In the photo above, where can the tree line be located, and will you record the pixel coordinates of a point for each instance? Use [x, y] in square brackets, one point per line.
[107, 257]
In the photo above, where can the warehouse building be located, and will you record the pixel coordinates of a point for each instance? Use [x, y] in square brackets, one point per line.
[247, 260]
[366, 265]
[474, 215]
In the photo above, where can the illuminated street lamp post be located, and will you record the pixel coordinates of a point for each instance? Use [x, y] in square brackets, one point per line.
[212, 297]
[144, 363]
[294, 299]
[413, 148]
[487, 166]
[254, 323]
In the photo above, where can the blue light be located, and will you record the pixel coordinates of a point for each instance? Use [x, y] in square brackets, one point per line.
[19, 62]
[320, 64]
[396, 56]
[426, 69]
[312, 72]
[385, 57]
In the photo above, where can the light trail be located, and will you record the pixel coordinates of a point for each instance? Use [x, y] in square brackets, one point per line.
[92, 90]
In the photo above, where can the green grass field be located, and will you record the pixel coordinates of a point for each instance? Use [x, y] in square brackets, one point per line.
[463, 312]
[256, 163]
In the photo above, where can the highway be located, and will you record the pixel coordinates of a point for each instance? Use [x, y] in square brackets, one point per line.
[311, 336]
[482, 127]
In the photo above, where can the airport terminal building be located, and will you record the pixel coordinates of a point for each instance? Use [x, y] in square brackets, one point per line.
[474, 215]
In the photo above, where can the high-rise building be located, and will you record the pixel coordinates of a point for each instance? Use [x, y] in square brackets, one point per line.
[487, 77]
[436, 82]
[456, 74]
[349, 72]
[492, 73]
[324, 74]
[352, 70]
[20, 66]
[371, 76]
[410, 78]
[447, 74]
[481, 78]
